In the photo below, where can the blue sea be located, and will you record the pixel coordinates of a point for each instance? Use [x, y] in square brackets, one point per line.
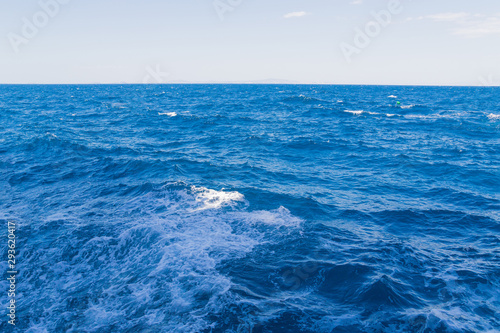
[251, 208]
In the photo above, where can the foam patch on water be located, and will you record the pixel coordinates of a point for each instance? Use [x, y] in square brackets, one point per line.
[278, 217]
[360, 112]
[211, 199]
[170, 114]
[152, 264]
[493, 116]
[356, 112]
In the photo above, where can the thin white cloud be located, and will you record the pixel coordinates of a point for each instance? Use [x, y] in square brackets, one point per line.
[479, 27]
[356, 2]
[448, 17]
[295, 14]
[467, 24]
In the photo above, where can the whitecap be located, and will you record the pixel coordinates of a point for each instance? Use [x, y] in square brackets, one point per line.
[356, 112]
[212, 199]
[493, 116]
[170, 114]
[166, 254]
[392, 96]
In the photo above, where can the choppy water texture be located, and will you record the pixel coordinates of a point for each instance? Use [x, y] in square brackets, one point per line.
[247, 208]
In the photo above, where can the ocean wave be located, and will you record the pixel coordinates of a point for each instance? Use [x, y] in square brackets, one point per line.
[252, 211]
[170, 114]
[355, 112]
[212, 199]
[163, 265]
[493, 116]
[360, 112]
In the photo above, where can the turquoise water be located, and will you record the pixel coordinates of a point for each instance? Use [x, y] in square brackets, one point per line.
[252, 208]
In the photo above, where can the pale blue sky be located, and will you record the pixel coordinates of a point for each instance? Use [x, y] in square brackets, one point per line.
[439, 42]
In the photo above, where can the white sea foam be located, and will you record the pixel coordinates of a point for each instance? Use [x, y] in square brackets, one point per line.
[359, 112]
[278, 217]
[118, 105]
[433, 116]
[212, 199]
[165, 262]
[493, 116]
[170, 114]
[356, 112]
[392, 96]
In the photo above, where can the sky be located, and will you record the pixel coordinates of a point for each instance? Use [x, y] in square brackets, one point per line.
[400, 42]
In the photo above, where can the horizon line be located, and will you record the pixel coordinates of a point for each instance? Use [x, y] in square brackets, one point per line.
[249, 83]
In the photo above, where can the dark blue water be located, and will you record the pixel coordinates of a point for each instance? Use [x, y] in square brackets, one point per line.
[252, 208]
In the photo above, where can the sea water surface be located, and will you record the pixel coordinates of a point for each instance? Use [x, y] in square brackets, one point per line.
[252, 208]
